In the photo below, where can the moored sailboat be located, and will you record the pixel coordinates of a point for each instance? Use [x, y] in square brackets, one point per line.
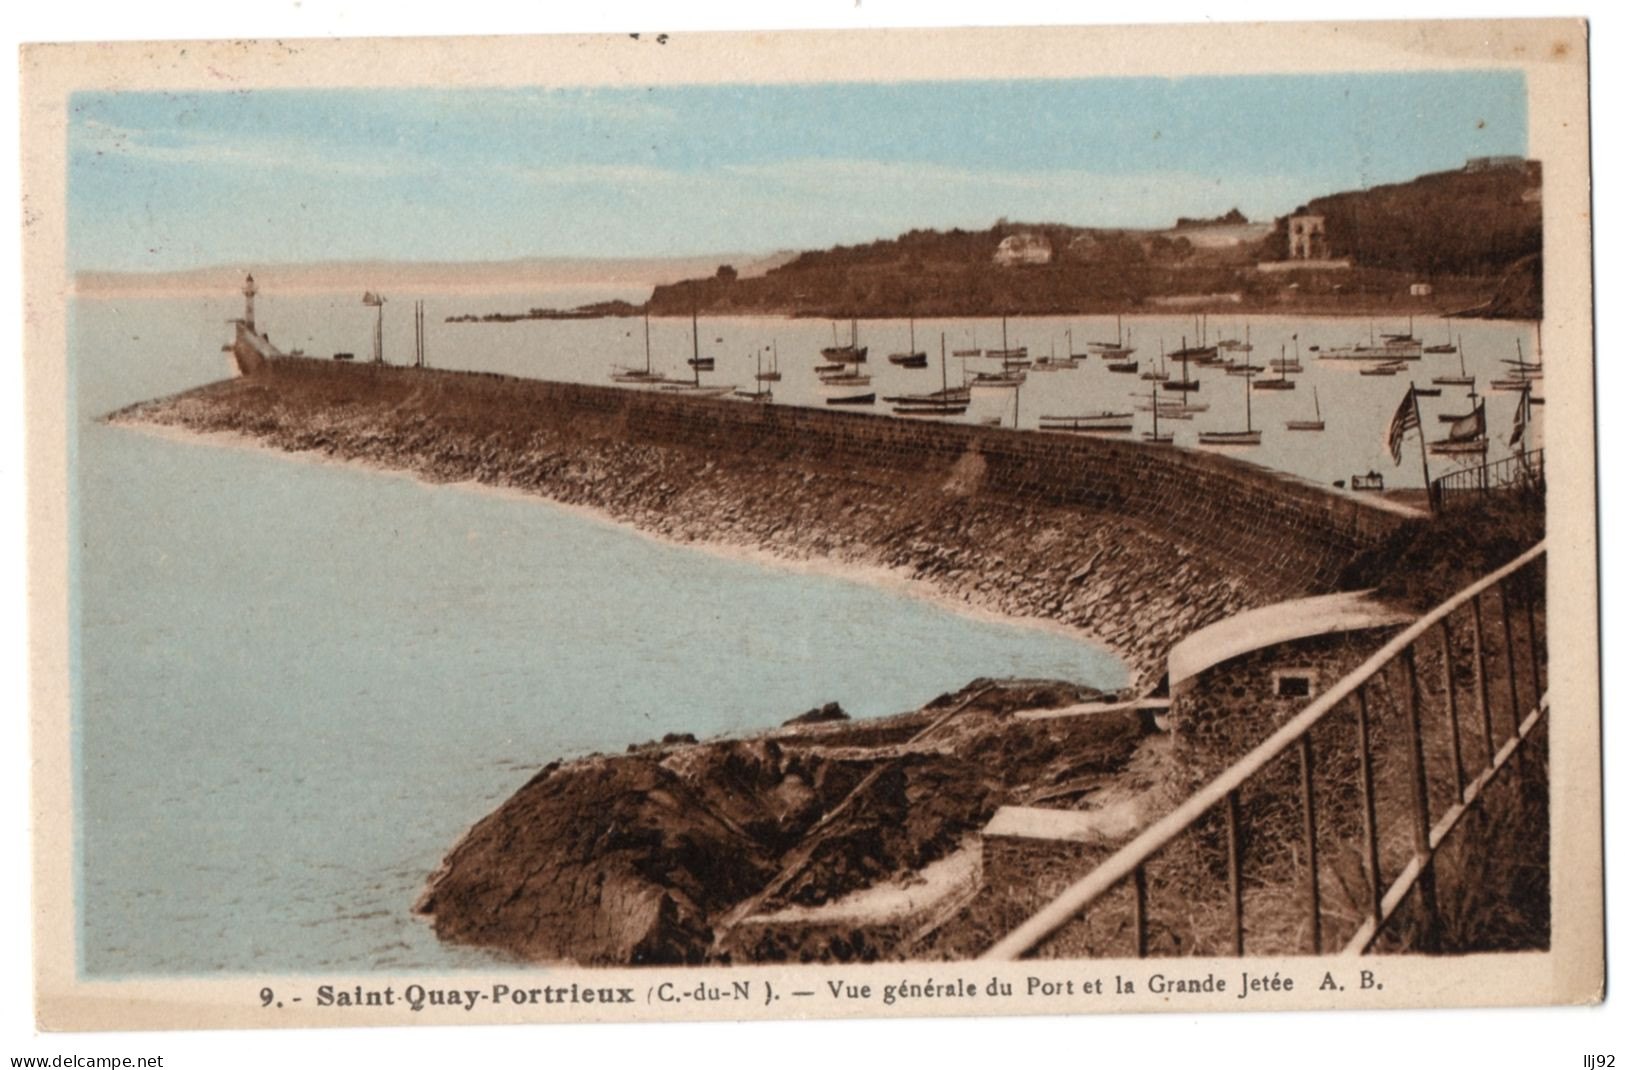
[1184, 384]
[944, 402]
[1317, 424]
[851, 353]
[1249, 437]
[914, 358]
[1272, 383]
[645, 374]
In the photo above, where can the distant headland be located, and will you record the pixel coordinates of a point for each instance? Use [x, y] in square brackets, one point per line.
[1462, 243]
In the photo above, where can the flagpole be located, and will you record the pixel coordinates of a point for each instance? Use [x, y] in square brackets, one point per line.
[1420, 437]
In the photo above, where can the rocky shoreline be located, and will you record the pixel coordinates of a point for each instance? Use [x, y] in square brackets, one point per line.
[657, 855]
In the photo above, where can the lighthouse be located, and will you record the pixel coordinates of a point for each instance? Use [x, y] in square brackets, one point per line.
[249, 290]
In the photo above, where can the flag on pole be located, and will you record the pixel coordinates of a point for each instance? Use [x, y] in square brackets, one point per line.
[1406, 418]
[1469, 427]
[1520, 419]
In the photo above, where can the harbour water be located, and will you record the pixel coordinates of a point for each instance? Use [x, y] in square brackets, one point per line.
[296, 684]
[1356, 408]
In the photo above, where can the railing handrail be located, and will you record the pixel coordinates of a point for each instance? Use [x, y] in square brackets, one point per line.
[1470, 478]
[1134, 854]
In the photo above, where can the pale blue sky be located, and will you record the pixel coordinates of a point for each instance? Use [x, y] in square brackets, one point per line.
[165, 181]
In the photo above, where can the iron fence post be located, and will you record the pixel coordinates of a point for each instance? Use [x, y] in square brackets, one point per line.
[1420, 824]
[1368, 804]
[1312, 858]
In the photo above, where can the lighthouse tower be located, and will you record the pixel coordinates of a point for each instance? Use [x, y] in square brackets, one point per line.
[249, 290]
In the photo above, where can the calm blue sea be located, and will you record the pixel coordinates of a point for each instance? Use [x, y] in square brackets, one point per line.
[297, 684]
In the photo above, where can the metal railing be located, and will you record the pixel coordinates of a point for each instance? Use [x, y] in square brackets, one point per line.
[1505, 693]
[1520, 474]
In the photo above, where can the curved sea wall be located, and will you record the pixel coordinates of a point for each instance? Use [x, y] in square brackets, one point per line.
[1134, 545]
[673, 851]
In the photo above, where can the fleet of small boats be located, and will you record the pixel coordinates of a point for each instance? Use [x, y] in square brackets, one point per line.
[844, 373]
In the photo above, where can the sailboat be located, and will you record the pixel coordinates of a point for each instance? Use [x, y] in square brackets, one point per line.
[1072, 353]
[645, 374]
[1184, 384]
[1466, 435]
[697, 362]
[772, 374]
[760, 393]
[844, 370]
[1408, 336]
[974, 350]
[1116, 360]
[1283, 383]
[1052, 363]
[1523, 372]
[944, 402]
[696, 389]
[1448, 346]
[1113, 350]
[1249, 437]
[851, 353]
[914, 358]
[1393, 347]
[1155, 434]
[1388, 367]
[1167, 408]
[1284, 365]
[1012, 358]
[1457, 380]
[1317, 424]
[1154, 373]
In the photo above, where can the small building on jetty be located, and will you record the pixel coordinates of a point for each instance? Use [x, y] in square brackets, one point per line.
[249, 348]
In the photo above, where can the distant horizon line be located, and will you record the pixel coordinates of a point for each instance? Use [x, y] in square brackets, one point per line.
[671, 259]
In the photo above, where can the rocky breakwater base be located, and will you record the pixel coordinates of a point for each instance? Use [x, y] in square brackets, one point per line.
[664, 854]
[1132, 545]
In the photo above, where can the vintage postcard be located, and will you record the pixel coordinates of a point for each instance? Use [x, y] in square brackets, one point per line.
[883, 523]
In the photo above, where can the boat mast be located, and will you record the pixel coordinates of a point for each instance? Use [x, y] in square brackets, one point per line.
[1156, 431]
[1421, 437]
[1247, 389]
[943, 359]
[694, 323]
[648, 361]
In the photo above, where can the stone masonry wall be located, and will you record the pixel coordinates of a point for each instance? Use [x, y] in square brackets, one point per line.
[1135, 545]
